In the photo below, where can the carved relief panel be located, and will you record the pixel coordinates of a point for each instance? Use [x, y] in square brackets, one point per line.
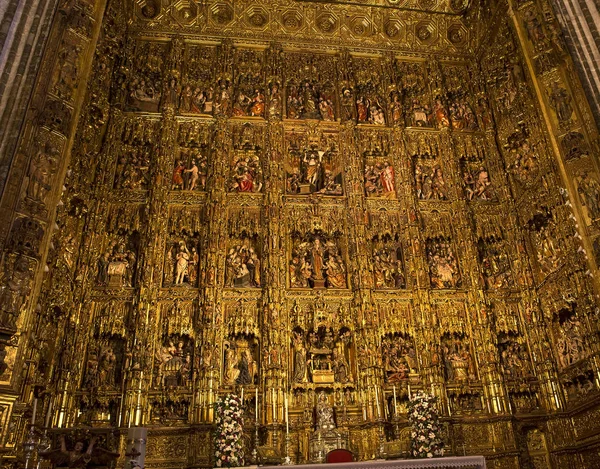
[458, 99]
[190, 168]
[249, 83]
[369, 91]
[246, 166]
[310, 86]
[410, 100]
[478, 184]
[145, 81]
[379, 173]
[181, 262]
[138, 145]
[243, 263]
[198, 81]
[388, 262]
[313, 162]
[429, 174]
[317, 261]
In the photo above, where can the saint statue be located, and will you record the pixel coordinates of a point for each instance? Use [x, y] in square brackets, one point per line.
[325, 419]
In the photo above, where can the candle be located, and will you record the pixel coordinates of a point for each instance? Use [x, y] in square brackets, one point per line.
[395, 402]
[273, 399]
[287, 415]
[377, 402]
[242, 395]
[34, 410]
[408, 391]
[49, 414]
[256, 405]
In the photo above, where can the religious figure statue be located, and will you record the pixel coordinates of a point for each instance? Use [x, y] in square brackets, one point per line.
[300, 374]
[181, 263]
[325, 417]
[231, 364]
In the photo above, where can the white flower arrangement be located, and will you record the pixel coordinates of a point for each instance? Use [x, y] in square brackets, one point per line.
[230, 425]
[425, 435]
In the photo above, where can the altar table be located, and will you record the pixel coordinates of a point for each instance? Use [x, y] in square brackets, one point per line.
[451, 462]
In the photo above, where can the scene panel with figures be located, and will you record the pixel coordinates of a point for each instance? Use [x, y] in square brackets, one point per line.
[494, 251]
[379, 172]
[399, 357]
[106, 352]
[322, 346]
[389, 269]
[198, 80]
[546, 241]
[428, 167]
[190, 167]
[138, 140]
[370, 91]
[174, 360]
[441, 251]
[182, 247]
[456, 348]
[313, 161]
[588, 189]
[474, 164]
[243, 263]
[310, 86]
[145, 61]
[458, 99]
[317, 260]
[117, 264]
[249, 98]
[410, 98]
[525, 158]
[246, 166]
[241, 343]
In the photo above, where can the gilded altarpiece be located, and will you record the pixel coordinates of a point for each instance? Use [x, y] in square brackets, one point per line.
[309, 203]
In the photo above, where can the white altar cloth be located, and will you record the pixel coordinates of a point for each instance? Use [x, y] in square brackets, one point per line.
[450, 462]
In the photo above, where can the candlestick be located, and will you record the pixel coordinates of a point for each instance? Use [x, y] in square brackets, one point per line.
[49, 414]
[287, 415]
[256, 405]
[34, 410]
[395, 402]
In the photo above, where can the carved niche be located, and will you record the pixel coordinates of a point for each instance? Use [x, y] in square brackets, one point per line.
[370, 99]
[388, 263]
[399, 357]
[198, 87]
[317, 261]
[443, 265]
[313, 164]
[245, 167]
[190, 168]
[117, 264]
[146, 74]
[138, 141]
[410, 101]
[249, 84]
[379, 173]
[310, 86]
